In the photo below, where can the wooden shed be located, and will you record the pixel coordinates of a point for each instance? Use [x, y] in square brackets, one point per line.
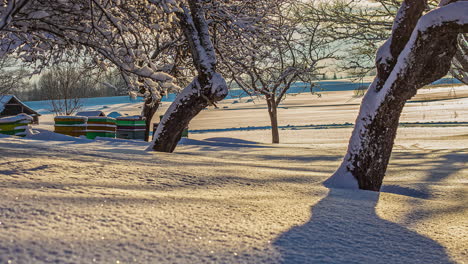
[12, 106]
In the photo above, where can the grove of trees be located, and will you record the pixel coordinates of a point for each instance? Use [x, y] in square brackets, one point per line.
[265, 46]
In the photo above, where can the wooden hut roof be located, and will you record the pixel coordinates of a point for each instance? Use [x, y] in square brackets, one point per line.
[4, 99]
[7, 99]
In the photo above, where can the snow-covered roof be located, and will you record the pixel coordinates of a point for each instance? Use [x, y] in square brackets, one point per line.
[114, 114]
[6, 98]
[90, 113]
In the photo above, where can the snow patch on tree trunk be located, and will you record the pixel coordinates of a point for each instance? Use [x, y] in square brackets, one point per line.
[219, 86]
[342, 178]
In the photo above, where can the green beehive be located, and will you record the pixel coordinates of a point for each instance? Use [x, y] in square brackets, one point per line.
[131, 127]
[15, 125]
[101, 126]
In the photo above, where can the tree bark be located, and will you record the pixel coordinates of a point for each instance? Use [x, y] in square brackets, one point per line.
[273, 113]
[186, 106]
[460, 61]
[149, 109]
[425, 58]
[206, 89]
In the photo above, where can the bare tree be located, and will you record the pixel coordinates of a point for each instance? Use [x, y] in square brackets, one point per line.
[140, 38]
[419, 51]
[13, 77]
[64, 86]
[207, 88]
[148, 41]
[285, 50]
[361, 27]
[113, 84]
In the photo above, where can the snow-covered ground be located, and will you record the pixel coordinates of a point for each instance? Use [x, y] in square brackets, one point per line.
[227, 196]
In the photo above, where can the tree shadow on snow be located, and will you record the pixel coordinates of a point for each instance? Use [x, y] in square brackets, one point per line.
[447, 165]
[344, 228]
[214, 144]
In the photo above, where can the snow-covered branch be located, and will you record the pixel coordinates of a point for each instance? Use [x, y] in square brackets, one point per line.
[11, 9]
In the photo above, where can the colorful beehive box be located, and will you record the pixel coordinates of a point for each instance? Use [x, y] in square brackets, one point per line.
[131, 127]
[71, 125]
[15, 125]
[101, 126]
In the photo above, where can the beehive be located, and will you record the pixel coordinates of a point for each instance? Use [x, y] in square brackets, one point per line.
[131, 127]
[70, 125]
[15, 125]
[101, 126]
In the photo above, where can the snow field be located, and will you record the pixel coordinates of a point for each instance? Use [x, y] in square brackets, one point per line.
[233, 198]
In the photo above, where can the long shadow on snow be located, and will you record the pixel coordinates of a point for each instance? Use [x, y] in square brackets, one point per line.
[144, 185]
[344, 228]
[447, 165]
[438, 170]
[91, 157]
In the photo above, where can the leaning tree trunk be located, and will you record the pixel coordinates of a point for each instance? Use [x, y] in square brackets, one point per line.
[206, 89]
[149, 109]
[273, 113]
[186, 106]
[405, 63]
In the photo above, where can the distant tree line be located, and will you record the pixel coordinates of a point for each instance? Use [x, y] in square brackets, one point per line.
[62, 81]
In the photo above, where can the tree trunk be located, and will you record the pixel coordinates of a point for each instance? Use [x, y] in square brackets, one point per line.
[185, 107]
[426, 57]
[273, 113]
[149, 109]
[376, 137]
[460, 61]
[206, 89]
